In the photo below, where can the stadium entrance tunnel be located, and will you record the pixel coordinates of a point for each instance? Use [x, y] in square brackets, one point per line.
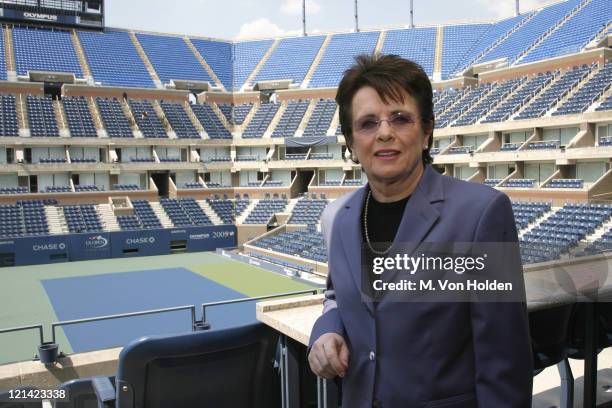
[161, 181]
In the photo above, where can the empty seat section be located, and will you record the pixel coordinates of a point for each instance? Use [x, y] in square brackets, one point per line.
[562, 231]
[307, 211]
[149, 124]
[526, 35]
[527, 212]
[82, 218]
[459, 39]
[587, 94]
[179, 120]
[546, 100]
[261, 120]
[143, 218]
[223, 208]
[574, 33]
[185, 212]
[340, 55]
[291, 119]
[519, 98]
[247, 55]
[41, 117]
[472, 95]
[113, 117]
[8, 116]
[113, 59]
[265, 209]
[26, 217]
[291, 59]
[499, 92]
[80, 121]
[218, 55]
[172, 58]
[321, 118]
[417, 44]
[305, 244]
[42, 49]
[494, 33]
[210, 121]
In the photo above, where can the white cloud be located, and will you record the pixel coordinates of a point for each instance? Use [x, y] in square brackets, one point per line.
[506, 9]
[294, 7]
[262, 27]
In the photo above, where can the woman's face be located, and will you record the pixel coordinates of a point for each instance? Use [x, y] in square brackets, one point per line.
[391, 150]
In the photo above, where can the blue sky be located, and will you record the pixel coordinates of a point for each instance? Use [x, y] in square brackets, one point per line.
[235, 19]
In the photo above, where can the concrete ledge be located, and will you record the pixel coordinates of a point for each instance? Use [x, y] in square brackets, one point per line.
[81, 365]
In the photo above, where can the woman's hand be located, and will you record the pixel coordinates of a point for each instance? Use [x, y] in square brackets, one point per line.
[329, 356]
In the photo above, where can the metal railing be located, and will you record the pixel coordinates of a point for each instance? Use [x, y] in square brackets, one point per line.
[191, 308]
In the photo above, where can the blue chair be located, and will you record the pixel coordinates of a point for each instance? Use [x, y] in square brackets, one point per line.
[203, 368]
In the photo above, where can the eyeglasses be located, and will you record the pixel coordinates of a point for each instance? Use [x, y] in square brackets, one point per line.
[367, 126]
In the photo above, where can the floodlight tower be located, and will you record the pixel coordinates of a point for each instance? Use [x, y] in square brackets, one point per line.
[517, 11]
[356, 17]
[304, 18]
[411, 13]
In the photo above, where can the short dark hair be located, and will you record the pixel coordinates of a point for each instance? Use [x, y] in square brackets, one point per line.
[392, 77]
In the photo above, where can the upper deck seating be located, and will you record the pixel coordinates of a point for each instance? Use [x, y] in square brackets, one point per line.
[113, 59]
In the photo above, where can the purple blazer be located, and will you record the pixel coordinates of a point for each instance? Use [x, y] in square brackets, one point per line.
[409, 354]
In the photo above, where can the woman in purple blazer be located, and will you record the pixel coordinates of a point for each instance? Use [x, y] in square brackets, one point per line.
[411, 354]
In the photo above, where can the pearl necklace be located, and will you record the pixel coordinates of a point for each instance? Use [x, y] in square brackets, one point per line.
[365, 228]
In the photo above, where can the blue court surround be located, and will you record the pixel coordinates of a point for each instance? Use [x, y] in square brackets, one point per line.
[114, 293]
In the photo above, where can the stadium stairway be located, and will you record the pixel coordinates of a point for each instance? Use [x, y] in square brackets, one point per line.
[97, 119]
[81, 57]
[601, 99]
[597, 38]
[573, 91]
[306, 118]
[107, 217]
[247, 119]
[161, 214]
[550, 32]
[9, 54]
[437, 70]
[380, 42]
[538, 221]
[240, 219]
[536, 96]
[502, 38]
[474, 104]
[316, 61]
[164, 120]
[209, 212]
[194, 120]
[221, 116]
[248, 83]
[145, 60]
[290, 206]
[56, 220]
[598, 233]
[60, 115]
[204, 64]
[130, 116]
[275, 120]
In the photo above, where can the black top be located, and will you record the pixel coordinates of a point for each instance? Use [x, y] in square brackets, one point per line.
[383, 222]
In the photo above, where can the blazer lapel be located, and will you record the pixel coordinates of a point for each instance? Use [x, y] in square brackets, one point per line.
[419, 215]
[352, 242]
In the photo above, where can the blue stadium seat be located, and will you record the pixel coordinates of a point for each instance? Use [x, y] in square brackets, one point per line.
[187, 370]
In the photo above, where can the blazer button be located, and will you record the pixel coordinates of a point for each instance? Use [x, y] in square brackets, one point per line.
[376, 404]
[372, 356]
